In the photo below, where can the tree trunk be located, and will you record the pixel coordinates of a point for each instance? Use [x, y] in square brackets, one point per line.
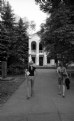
[4, 69]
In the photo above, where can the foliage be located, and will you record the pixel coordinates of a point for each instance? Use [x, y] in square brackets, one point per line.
[0, 5]
[21, 45]
[19, 58]
[7, 33]
[49, 5]
[3, 43]
[57, 34]
[13, 39]
[32, 25]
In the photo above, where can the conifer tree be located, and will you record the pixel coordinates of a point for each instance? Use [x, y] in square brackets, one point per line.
[0, 5]
[6, 35]
[22, 42]
[3, 37]
[8, 22]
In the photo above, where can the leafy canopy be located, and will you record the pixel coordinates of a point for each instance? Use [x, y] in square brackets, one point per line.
[57, 34]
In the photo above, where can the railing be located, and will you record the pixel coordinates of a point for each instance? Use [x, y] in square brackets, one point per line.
[41, 51]
[33, 51]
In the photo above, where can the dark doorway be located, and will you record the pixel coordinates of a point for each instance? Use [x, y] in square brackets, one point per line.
[33, 58]
[40, 47]
[33, 45]
[40, 61]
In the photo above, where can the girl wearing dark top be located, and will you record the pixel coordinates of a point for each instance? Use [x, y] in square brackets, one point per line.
[30, 81]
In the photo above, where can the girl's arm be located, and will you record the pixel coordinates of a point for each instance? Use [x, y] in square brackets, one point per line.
[66, 71]
[58, 72]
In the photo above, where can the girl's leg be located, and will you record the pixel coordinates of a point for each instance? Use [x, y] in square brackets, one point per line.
[63, 88]
[32, 87]
[59, 86]
[28, 89]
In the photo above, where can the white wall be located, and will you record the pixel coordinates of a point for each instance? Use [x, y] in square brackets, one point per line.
[36, 38]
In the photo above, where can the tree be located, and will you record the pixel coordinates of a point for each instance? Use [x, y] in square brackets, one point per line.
[0, 5]
[31, 27]
[3, 37]
[49, 5]
[58, 32]
[22, 42]
[3, 43]
[6, 35]
[13, 39]
[8, 22]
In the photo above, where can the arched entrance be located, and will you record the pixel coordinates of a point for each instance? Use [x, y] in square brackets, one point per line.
[33, 45]
[40, 60]
[40, 48]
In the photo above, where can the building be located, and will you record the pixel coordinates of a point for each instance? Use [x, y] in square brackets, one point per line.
[37, 53]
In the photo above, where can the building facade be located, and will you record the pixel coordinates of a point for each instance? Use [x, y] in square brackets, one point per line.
[37, 53]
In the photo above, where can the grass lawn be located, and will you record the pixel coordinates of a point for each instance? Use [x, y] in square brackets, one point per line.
[8, 87]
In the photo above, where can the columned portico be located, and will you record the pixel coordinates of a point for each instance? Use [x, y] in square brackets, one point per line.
[37, 53]
[45, 59]
[30, 58]
[37, 59]
[37, 49]
[29, 44]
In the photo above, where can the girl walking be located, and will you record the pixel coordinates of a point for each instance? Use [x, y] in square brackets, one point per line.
[62, 74]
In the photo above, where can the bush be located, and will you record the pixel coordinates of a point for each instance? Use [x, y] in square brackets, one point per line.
[16, 69]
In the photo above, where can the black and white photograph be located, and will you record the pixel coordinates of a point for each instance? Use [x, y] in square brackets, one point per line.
[36, 60]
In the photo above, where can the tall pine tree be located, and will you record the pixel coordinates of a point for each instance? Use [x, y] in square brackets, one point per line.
[22, 42]
[3, 36]
[7, 35]
[8, 22]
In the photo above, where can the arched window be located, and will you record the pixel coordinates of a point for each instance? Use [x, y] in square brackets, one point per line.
[33, 45]
[40, 46]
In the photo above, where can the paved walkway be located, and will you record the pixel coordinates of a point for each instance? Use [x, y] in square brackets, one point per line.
[46, 105]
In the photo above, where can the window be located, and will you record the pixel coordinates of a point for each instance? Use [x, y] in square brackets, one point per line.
[48, 59]
[40, 47]
[33, 58]
[33, 45]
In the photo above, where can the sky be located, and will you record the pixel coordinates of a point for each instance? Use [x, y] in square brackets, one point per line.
[28, 9]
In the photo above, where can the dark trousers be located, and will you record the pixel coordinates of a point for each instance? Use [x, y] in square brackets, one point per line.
[32, 84]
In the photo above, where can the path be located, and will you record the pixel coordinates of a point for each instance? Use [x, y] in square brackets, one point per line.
[46, 105]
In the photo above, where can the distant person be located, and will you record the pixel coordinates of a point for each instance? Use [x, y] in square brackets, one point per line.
[67, 81]
[30, 79]
[62, 74]
[27, 83]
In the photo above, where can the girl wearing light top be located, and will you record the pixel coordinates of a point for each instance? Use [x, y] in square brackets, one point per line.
[62, 74]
